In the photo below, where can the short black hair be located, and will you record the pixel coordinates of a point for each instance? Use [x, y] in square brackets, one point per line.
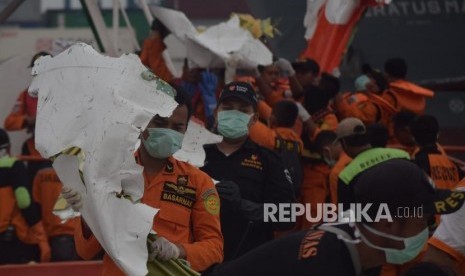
[38, 55]
[329, 84]
[358, 140]
[378, 135]
[285, 113]
[324, 138]
[425, 129]
[307, 65]
[403, 118]
[4, 139]
[396, 67]
[182, 98]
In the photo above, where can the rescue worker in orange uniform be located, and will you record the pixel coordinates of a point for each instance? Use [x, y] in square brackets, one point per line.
[445, 173]
[359, 104]
[280, 123]
[402, 94]
[46, 190]
[306, 71]
[23, 116]
[315, 187]
[316, 102]
[271, 85]
[280, 136]
[22, 235]
[152, 50]
[188, 222]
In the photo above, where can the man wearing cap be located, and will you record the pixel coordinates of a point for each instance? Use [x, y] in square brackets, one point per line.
[362, 245]
[22, 235]
[306, 73]
[248, 175]
[355, 143]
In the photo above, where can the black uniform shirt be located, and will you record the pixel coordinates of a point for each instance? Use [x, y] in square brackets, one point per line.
[304, 253]
[261, 179]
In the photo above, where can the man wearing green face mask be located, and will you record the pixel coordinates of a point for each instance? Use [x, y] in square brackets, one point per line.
[362, 246]
[249, 175]
[187, 225]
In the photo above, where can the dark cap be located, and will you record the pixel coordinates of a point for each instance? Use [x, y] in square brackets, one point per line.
[4, 139]
[350, 126]
[240, 90]
[306, 65]
[400, 183]
[38, 55]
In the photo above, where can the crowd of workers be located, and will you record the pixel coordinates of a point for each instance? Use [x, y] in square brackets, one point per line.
[290, 136]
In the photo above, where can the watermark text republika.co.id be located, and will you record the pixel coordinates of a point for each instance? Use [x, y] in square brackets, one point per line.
[329, 212]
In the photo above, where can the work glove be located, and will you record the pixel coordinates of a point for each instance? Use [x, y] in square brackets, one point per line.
[229, 192]
[163, 250]
[303, 113]
[285, 66]
[38, 231]
[207, 87]
[72, 197]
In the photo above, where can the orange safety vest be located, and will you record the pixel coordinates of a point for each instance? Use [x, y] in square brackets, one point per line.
[10, 214]
[45, 190]
[357, 105]
[406, 95]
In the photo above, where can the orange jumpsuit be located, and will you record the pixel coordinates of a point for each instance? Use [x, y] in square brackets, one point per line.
[188, 216]
[325, 119]
[279, 88]
[26, 221]
[314, 189]
[46, 189]
[266, 137]
[357, 105]
[25, 106]
[344, 159]
[151, 57]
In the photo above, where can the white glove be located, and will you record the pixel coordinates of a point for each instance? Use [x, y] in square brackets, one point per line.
[285, 66]
[303, 113]
[72, 197]
[163, 250]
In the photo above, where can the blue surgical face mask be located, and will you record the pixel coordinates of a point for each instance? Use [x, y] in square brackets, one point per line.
[162, 142]
[412, 246]
[233, 124]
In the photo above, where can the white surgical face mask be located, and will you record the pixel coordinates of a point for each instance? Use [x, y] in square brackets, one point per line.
[412, 245]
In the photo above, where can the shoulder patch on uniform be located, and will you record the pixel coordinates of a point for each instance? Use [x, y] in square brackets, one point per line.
[208, 192]
[212, 204]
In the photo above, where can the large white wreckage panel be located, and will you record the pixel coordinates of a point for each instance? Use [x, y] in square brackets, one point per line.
[100, 105]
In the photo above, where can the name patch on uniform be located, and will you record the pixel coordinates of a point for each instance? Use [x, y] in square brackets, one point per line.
[252, 162]
[178, 194]
[309, 245]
